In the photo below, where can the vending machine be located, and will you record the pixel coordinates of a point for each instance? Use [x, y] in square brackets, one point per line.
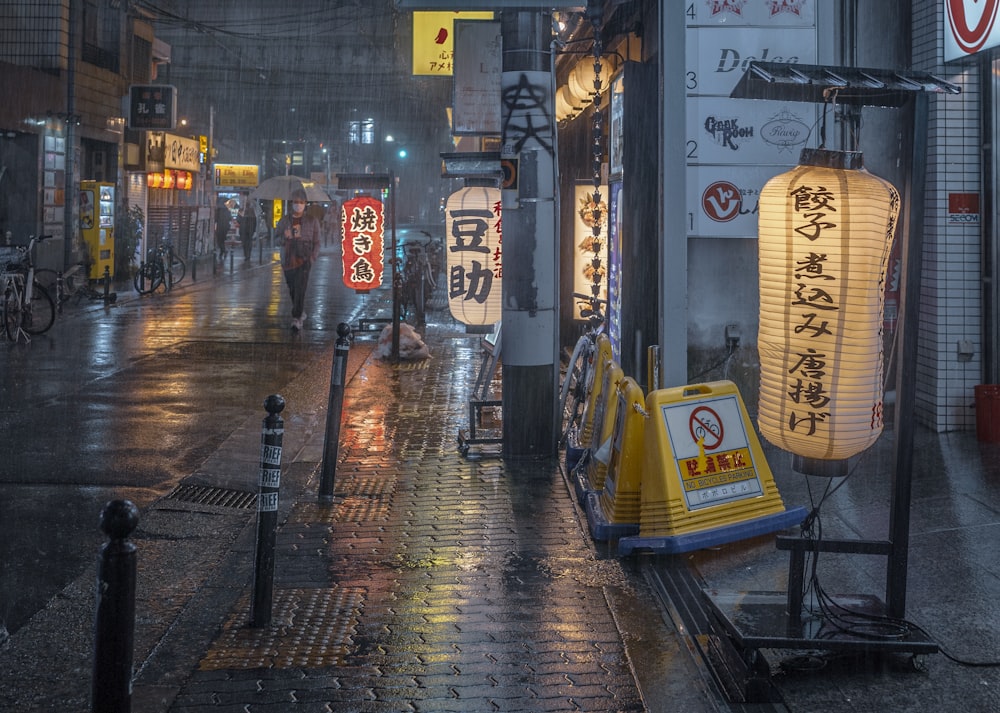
[97, 226]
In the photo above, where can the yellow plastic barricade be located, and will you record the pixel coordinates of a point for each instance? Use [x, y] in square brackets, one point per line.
[578, 442]
[602, 356]
[613, 512]
[706, 481]
[589, 473]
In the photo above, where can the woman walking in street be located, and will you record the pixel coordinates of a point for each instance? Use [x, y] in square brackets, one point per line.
[248, 226]
[300, 235]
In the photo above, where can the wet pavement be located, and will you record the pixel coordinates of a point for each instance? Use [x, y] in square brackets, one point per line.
[443, 582]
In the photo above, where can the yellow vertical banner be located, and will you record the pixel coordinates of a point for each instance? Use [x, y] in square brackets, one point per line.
[434, 40]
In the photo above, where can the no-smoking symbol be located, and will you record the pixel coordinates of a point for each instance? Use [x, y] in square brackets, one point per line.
[706, 427]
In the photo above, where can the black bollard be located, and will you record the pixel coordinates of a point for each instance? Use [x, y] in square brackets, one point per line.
[60, 289]
[338, 377]
[114, 623]
[107, 285]
[267, 511]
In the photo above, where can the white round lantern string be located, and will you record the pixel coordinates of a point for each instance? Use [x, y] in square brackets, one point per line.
[598, 217]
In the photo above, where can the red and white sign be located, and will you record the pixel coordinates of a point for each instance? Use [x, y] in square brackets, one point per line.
[362, 242]
[963, 208]
[970, 26]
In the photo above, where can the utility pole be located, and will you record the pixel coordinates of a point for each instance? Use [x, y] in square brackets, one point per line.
[71, 186]
[530, 254]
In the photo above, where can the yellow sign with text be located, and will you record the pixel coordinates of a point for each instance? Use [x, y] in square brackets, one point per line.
[434, 41]
[237, 175]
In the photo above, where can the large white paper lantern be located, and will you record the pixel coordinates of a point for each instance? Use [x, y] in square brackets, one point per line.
[473, 239]
[825, 232]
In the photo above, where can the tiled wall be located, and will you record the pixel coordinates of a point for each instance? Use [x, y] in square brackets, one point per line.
[950, 292]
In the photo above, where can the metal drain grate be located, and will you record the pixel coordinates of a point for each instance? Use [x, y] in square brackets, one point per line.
[219, 497]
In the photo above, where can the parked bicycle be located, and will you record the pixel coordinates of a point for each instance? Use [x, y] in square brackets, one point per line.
[73, 284]
[421, 270]
[162, 267]
[27, 307]
[577, 380]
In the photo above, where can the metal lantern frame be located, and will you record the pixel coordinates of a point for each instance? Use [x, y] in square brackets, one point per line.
[756, 620]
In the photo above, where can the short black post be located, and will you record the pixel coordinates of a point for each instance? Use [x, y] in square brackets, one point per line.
[60, 290]
[114, 622]
[232, 256]
[338, 377]
[194, 268]
[267, 511]
[107, 284]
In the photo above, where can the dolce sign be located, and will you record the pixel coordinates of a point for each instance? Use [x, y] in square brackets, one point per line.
[969, 27]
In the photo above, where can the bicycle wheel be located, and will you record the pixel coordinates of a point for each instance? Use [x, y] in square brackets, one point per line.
[148, 277]
[12, 314]
[41, 313]
[74, 285]
[573, 393]
[177, 269]
[49, 279]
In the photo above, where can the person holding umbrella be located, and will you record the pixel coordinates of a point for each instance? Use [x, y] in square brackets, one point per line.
[300, 236]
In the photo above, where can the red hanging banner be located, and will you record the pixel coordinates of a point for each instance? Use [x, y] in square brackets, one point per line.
[362, 242]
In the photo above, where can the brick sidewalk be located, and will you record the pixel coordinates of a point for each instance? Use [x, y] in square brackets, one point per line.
[434, 583]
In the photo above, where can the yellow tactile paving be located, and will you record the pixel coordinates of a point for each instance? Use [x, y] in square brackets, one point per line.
[309, 628]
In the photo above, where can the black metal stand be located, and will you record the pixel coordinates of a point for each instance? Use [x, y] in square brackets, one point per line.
[482, 397]
[756, 620]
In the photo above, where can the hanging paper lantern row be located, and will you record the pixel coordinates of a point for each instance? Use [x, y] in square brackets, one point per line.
[170, 179]
[473, 237]
[825, 233]
[362, 221]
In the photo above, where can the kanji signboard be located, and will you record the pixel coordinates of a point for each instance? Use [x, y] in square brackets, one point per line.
[152, 107]
[362, 223]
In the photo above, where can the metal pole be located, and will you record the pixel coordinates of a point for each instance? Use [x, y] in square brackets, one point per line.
[395, 271]
[653, 367]
[338, 379]
[267, 511]
[114, 622]
[906, 364]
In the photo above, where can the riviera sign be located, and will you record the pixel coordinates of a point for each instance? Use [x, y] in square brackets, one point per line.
[970, 27]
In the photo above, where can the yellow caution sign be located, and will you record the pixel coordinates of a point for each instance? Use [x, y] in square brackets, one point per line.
[706, 480]
[589, 473]
[613, 512]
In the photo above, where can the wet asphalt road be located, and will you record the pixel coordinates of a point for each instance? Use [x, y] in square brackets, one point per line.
[125, 400]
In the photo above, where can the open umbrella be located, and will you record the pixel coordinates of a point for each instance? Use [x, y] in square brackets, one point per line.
[279, 188]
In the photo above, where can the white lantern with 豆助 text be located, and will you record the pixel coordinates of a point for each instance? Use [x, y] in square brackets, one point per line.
[825, 232]
[473, 239]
